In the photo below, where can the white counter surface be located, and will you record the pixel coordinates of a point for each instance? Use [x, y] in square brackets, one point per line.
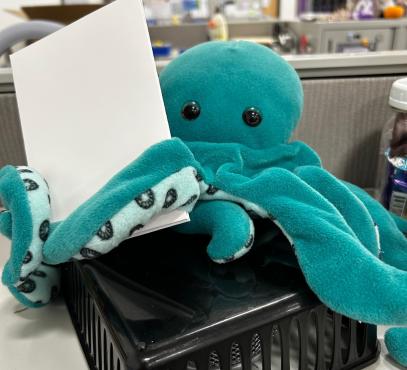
[37, 339]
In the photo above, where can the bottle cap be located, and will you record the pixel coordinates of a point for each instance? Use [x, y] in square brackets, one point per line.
[398, 94]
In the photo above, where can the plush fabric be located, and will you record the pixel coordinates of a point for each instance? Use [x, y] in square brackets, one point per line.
[29, 213]
[225, 78]
[134, 180]
[395, 340]
[233, 107]
[352, 252]
[229, 225]
[15, 200]
[392, 247]
[179, 190]
[124, 205]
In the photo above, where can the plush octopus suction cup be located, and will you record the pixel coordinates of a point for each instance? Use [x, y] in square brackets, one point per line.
[232, 107]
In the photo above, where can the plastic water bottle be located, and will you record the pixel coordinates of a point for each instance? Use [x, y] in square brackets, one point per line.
[392, 167]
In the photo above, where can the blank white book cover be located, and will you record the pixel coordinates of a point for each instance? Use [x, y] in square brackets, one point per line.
[90, 103]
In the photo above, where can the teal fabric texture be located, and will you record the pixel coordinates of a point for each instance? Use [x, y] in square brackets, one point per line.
[225, 78]
[138, 177]
[232, 107]
[395, 339]
[15, 200]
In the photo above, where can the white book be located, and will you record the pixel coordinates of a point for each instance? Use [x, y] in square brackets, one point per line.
[90, 103]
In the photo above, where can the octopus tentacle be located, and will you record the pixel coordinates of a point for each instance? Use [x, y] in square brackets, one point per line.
[228, 224]
[349, 206]
[178, 191]
[337, 266]
[25, 221]
[392, 231]
[393, 241]
[396, 343]
[140, 191]
[130, 199]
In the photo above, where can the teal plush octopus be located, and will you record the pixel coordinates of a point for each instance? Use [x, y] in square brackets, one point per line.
[232, 107]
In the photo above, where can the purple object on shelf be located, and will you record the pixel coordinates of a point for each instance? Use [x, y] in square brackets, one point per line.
[364, 9]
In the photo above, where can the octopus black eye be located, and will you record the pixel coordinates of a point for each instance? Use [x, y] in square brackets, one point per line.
[191, 110]
[252, 117]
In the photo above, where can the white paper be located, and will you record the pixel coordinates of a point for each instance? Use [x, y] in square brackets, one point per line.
[90, 103]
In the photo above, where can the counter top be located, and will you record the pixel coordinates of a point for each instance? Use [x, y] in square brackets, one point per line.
[35, 339]
[345, 64]
[308, 66]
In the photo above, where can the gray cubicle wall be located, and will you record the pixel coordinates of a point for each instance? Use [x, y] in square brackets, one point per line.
[343, 119]
[343, 114]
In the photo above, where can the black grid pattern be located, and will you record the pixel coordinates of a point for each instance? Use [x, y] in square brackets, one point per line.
[313, 339]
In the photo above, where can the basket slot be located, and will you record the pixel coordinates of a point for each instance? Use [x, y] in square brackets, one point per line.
[265, 338]
[276, 353]
[105, 352]
[89, 306]
[284, 328]
[93, 342]
[78, 291]
[361, 338]
[352, 353]
[371, 341]
[337, 349]
[245, 352]
[295, 346]
[78, 301]
[191, 365]
[111, 357]
[203, 360]
[329, 339]
[256, 352]
[82, 309]
[307, 326]
[83, 313]
[224, 355]
[320, 318]
[346, 335]
[302, 324]
[182, 364]
[86, 317]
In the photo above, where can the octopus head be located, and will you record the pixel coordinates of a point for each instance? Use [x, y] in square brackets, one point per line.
[232, 92]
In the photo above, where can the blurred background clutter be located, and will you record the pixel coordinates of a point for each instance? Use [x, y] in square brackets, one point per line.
[289, 26]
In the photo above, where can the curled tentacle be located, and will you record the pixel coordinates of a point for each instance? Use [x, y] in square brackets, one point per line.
[40, 287]
[26, 222]
[396, 342]
[228, 224]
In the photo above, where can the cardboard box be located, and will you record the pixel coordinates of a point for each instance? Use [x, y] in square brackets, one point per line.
[59, 13]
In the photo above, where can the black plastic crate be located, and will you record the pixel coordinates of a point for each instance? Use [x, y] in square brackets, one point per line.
[158, 302]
